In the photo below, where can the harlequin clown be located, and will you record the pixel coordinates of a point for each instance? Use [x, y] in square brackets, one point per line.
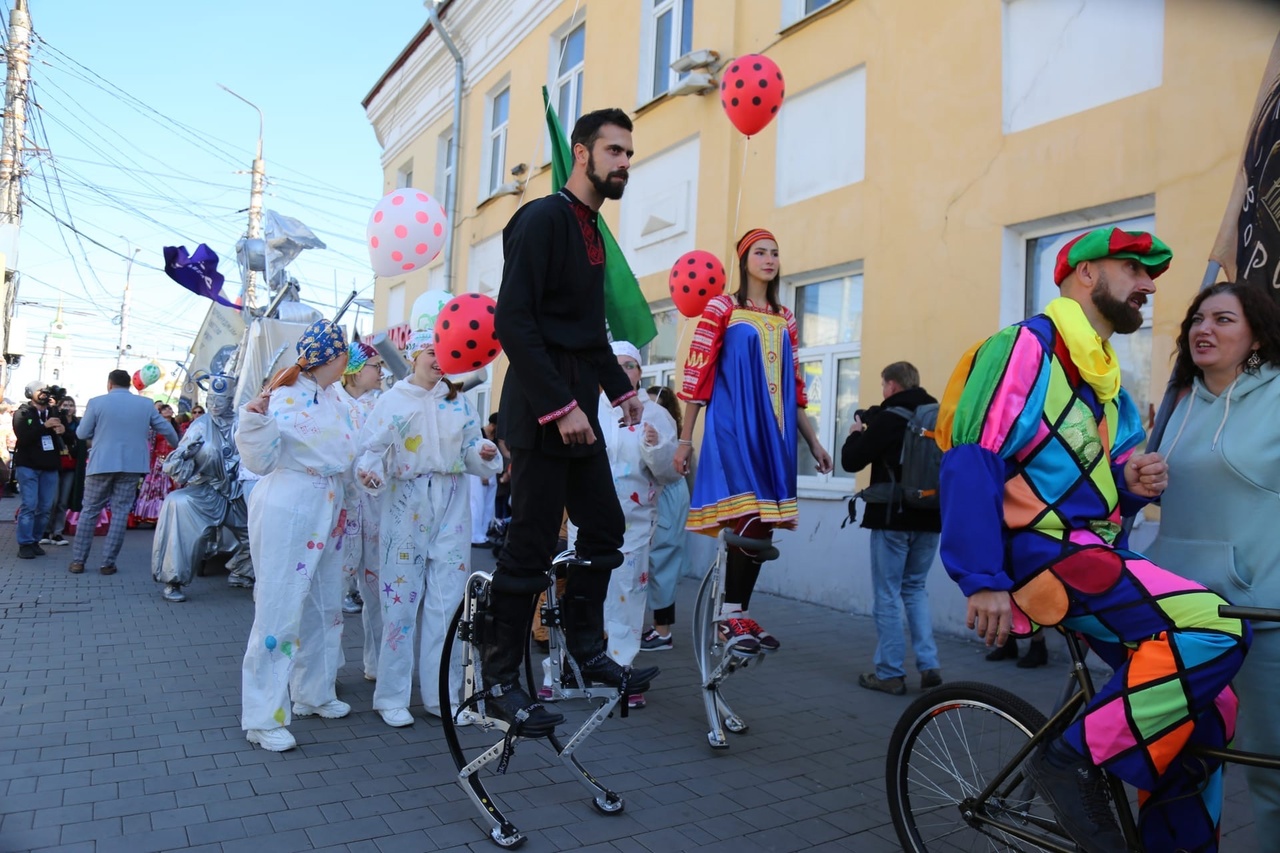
[1041, 466]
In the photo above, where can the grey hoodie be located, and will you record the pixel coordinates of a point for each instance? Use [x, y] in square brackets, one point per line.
[1220, 515]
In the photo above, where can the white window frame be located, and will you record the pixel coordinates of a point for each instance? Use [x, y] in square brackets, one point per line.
[794, 10]
[1018, 292]
[809, 483]
[664, 372]
[396, 308]
[446, 170]
[650, 12]
[573, 77]
[495, 140]
[404, 174]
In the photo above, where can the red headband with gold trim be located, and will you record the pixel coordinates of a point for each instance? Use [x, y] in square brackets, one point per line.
[752, 237]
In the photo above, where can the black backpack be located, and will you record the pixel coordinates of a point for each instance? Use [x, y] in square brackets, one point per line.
[921, 463]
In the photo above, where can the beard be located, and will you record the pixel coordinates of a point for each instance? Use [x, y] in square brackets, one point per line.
[611, 185]
[1123, 317]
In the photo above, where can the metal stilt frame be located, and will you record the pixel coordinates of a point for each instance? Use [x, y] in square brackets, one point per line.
[716, 659]
[466, 631]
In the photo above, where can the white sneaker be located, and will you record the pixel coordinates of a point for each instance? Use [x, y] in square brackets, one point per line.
[57, 539]
[275, 740]
[397, 717]
[369, 676]
[332, 710]
[46, 541]
[467, 718]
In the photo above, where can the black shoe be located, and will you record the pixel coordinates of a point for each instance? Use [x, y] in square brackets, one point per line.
[37, 551]
[1009, 651]
[1078, 797]
[930, 679]
[27, 552]
[1037, 655]
[893, 686]
[606, 670]
[526, 717]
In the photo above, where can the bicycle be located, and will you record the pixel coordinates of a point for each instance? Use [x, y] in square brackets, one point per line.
[955, 771]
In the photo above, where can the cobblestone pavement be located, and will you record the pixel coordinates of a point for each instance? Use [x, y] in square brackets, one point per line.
[119, 731]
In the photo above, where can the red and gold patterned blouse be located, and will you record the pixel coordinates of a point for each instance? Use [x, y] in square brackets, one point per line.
[704, 350]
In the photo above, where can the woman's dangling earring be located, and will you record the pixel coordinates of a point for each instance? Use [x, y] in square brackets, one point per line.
[1254, 361]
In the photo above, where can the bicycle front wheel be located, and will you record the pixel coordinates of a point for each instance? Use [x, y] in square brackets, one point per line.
[947, 748]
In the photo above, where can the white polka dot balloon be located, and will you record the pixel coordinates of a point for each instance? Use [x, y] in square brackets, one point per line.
[406, 231]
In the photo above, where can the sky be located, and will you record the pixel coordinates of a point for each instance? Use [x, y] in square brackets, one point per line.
[138, 148]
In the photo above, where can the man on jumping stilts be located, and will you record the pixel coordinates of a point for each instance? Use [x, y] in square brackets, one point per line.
[550, 320]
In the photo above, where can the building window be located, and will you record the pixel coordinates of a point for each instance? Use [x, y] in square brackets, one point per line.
[836, 109]
[404, 175]
[56, 374]
[1133, 350]
[829, 316]
[1043, 41]
[659, 355]
[395, 305]
[567, 89]
[794, 10]
[444, 166]
[666, 36]
[496, 142]
[57, 352]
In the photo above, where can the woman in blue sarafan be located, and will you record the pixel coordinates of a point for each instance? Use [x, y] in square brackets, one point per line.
[744, 367]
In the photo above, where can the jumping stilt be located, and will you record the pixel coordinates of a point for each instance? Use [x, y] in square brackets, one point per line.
[469, 632]
[716, 657]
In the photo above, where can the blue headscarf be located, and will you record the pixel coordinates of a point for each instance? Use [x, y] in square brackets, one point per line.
[321, 343]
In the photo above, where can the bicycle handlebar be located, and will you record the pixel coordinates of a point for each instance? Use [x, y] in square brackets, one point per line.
[1253, 614]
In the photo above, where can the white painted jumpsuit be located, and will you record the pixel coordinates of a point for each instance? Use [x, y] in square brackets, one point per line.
[420, 445]
[639, 473]
[303, 450]
[360, 547]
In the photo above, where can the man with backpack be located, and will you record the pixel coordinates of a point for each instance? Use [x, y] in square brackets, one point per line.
[896, 440]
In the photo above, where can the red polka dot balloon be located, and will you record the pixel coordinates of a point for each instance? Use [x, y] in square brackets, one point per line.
[465, 336]
[751, 92]
[406, 231]
[695, 279]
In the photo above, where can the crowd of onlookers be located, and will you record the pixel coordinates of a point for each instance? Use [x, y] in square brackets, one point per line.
[44, 463]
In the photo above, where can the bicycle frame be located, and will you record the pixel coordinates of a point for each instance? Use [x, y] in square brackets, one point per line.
[1075, 695]
[1077, 692]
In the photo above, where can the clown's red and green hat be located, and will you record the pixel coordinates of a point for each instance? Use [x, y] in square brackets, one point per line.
[1147, 249]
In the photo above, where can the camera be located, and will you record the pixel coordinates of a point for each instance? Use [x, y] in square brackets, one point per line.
[54, 394]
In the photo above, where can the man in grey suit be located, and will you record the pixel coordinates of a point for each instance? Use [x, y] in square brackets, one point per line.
[117, 423]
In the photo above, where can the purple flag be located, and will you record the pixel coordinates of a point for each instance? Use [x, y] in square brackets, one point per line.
[197, 272]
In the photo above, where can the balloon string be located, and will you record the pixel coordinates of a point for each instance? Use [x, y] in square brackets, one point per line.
[733, 235]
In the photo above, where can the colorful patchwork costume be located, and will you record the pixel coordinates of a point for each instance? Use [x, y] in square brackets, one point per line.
[1033, 495]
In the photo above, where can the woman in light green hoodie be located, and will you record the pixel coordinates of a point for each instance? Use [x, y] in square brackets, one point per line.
[1219, 515]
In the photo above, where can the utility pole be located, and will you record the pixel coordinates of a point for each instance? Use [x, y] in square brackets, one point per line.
[124, 308]
[255, 201]
[11, 149]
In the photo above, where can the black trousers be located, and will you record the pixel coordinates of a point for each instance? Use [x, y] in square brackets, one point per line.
[542, 488]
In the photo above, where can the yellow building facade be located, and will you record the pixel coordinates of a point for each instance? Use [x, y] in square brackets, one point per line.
[929, 159]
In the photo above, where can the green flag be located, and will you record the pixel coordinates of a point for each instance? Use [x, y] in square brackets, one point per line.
[625, 310]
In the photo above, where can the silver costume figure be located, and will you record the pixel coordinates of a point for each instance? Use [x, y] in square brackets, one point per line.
[206, 463]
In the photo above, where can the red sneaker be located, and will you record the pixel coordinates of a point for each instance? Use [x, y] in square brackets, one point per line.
[767, 641]
[737, 636]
